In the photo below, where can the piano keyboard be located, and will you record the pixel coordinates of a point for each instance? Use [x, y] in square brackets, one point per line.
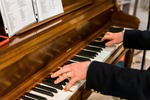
[47, 90]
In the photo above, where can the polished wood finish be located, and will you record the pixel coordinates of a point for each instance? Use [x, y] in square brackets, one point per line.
[39, 50]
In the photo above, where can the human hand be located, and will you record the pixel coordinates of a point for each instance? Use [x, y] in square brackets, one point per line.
[114, 38]
[75, 71]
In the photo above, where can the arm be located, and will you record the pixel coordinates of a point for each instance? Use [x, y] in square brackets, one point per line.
[137, 39]
[108, 79]
[127, 83]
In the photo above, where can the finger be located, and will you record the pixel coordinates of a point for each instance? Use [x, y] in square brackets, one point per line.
[65, 69]
[110, 43]
[70, 84]
[56, 74]
[64, 76]
[106, 37]
[61, 71]
[61, 78]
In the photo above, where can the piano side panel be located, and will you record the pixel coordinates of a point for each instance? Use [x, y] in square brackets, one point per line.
[125, 20]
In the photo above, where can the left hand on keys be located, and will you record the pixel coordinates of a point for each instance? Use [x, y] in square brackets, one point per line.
[75, 71]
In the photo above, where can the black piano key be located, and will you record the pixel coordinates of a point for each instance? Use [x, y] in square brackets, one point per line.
[46, 88]
[49, 76]
[49, 79]
[67, 62]
[43, 92]
[66, 80]
[79, 59]
[35, 96]
[98, 39]
[89, 54]
[53, 85]
[115, 29]
[26, 98]
[98, 44]
[93, 49]
[105, 41]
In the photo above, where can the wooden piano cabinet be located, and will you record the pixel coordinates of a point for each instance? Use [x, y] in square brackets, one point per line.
[35, 53]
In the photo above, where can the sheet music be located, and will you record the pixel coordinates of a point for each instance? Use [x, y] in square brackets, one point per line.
[48, 8]
[17, 14]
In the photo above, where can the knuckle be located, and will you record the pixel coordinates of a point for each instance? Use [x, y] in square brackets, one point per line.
[63, 76]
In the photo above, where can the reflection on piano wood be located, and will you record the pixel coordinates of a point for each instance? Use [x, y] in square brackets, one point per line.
[47, 90]
[26, 63]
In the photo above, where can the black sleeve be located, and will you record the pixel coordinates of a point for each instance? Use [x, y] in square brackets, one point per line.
[137, 39]
[126, 83]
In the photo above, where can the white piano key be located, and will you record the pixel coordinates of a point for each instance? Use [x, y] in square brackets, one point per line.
[76, 86]
[102, 56]
[105, 53]
[112, 48]
[61, 93]
[43, 95]
[65, 95]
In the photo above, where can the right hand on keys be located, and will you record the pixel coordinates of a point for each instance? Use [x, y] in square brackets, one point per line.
[114, 38]
[75, 71]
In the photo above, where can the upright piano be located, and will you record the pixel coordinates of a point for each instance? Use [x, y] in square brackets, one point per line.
[28, 59]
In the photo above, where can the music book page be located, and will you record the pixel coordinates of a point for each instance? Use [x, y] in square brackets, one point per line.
[48, 8]
[16, 14]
